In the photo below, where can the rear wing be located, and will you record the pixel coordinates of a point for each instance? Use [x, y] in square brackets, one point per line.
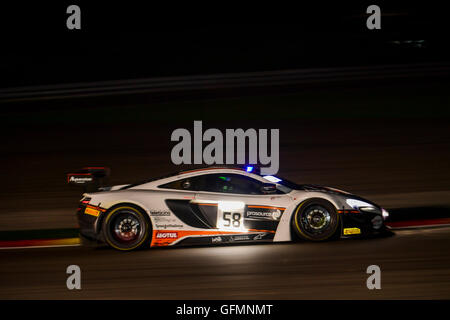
[90, 178]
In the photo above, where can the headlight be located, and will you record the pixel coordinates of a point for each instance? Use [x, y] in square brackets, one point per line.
[363, 206]
[355, 204]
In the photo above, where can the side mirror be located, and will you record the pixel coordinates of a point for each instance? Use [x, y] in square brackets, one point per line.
[269, 188]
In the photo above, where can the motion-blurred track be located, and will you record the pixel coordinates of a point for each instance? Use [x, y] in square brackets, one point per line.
[414, 265]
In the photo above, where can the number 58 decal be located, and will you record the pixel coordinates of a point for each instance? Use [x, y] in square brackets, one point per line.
[230, 215]
[232, 219]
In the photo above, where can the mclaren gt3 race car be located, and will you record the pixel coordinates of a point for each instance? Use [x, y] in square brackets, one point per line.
[216, 206]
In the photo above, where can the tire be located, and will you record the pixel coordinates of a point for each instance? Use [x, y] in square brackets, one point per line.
[316, 220]
[126, 227]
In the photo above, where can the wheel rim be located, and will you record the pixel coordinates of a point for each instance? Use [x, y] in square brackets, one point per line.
[126, 227]
[316, 220]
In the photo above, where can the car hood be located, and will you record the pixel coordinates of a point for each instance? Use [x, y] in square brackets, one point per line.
[333, 191]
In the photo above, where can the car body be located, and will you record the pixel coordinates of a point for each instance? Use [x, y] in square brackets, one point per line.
[218, 205]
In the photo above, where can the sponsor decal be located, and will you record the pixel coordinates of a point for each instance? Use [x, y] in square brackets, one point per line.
[276, 214]
[92, 211]
[263, 214]
[259, 236]
[160, 213]
[80, 179]
[349, 231]
[165, 220]
[168, 226]
[240, 238]
[167, 235]
[207, 235]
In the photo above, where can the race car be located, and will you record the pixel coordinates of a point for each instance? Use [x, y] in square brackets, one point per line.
[219, 205]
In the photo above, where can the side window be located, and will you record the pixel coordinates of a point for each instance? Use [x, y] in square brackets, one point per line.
[223, 183]
[192, 184]
[231, 183]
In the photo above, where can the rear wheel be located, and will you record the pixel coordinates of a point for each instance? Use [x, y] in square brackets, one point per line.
[316, 220]
[126, 228]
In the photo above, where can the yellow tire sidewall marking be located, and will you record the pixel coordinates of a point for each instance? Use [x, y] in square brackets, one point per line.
[110, 214]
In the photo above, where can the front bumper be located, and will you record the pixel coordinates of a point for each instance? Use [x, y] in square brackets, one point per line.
[356, 223]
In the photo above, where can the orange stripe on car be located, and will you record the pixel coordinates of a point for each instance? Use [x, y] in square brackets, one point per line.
[348, 211]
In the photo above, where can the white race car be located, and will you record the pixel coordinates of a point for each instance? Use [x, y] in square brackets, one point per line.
[218, 205]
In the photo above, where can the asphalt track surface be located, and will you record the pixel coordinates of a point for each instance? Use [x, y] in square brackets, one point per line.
[414, 265]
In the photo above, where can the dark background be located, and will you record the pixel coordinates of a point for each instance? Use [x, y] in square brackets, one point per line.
[131, 40]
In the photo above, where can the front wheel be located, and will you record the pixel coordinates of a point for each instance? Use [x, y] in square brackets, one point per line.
[316, 220]
[126, 228]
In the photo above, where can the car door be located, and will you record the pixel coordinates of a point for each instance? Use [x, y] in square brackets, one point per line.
[235, 202]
